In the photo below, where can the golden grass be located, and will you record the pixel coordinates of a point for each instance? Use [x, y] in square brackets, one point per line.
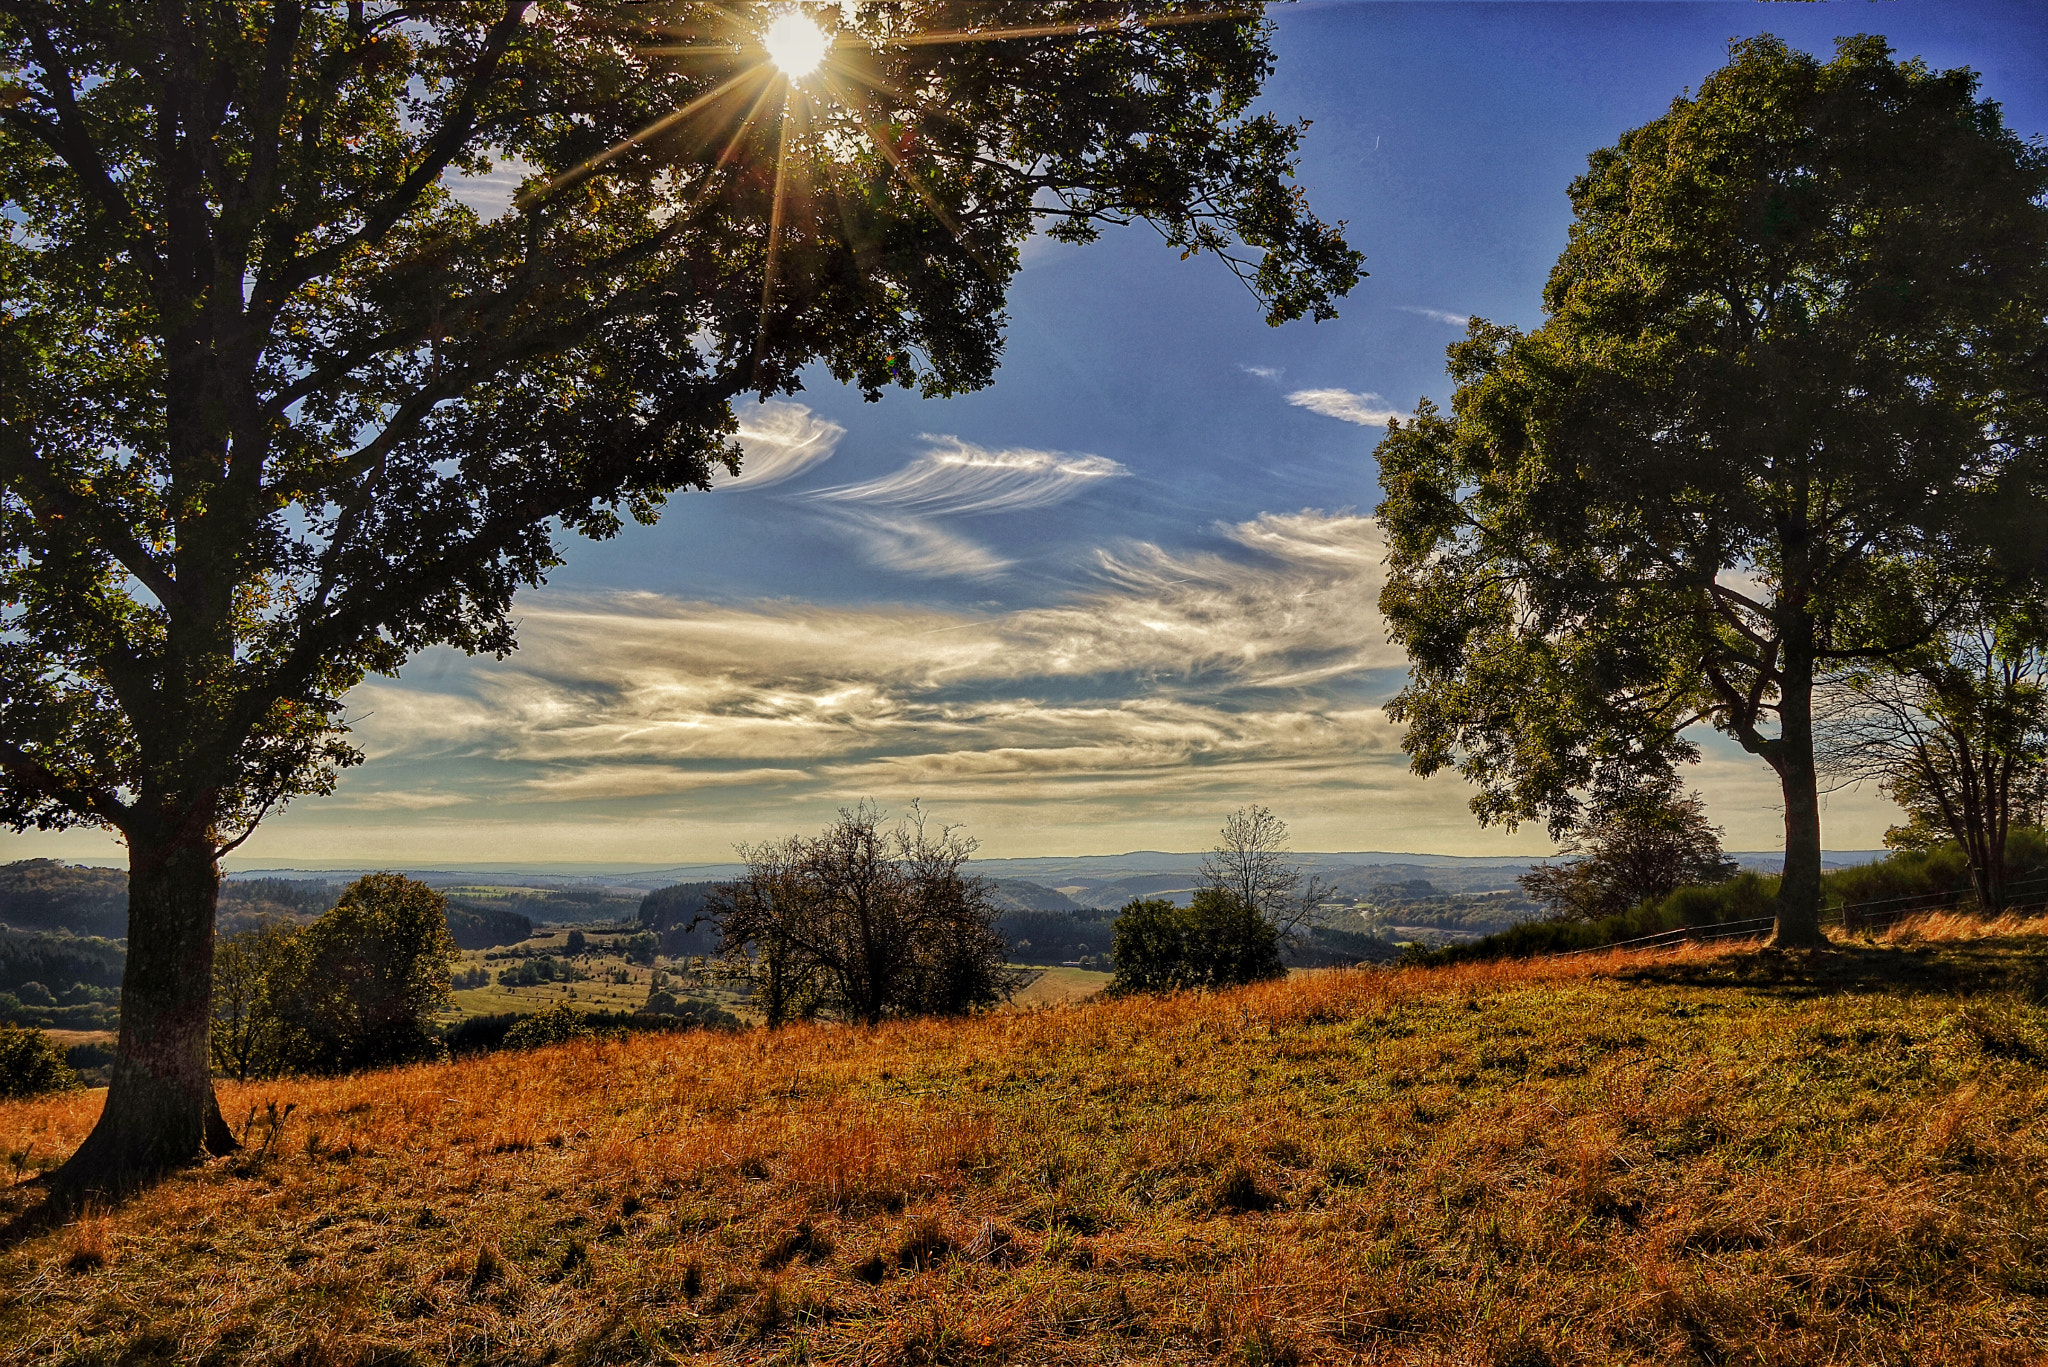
[1712, 1156]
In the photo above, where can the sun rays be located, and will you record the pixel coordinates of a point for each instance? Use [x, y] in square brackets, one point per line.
[820, 61]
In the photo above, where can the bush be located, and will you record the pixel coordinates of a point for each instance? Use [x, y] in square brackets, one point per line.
[30, 1064]
[556, 1025]
[482, 1034]
[1214, 941]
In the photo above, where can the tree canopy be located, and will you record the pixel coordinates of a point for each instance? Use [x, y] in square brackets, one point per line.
[1785, 405]
[277, 409]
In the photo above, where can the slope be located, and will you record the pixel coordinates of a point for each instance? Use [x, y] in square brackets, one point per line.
[1694, 1157]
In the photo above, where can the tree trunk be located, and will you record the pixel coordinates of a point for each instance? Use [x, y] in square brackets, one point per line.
[1798, 908]
[160, 1111]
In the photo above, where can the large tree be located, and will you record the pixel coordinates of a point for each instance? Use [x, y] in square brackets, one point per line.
[1787, 398]
[278, 410]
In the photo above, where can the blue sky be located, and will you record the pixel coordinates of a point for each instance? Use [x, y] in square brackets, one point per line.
[1130, 586]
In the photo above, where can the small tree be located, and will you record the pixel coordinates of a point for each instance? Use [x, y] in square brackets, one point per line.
[255, 974]
[1250, 864]
[556, 1025]
[1958, 737]
[763, 920]
[374, 971]
[1642, 842]
[865, 922]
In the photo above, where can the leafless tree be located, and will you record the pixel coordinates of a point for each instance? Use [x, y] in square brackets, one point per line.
[1959, 740]
[865, 921]
[1251, 863]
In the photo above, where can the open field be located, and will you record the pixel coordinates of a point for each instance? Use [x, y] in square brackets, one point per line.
[1057, 986]
[1711, 1157]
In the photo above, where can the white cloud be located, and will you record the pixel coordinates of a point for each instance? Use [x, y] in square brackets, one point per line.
[917, 545]
[1444, 316]
[1367, 410]
[489, 195]
[779, 440]
[954, 477]
[1264, 372]
[1168, 661]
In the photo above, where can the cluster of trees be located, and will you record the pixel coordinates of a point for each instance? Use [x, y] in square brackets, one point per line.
[864, 921]
[539, 971]
[1253, 901]
[59, 981]
[356, 988]
[1783, 425]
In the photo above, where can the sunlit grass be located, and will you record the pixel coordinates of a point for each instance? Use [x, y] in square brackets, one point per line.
[1732, 1157]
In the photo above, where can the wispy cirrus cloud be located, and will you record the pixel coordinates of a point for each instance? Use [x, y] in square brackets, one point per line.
[1444, 316]
[1367, 410]
[918, 545]
[1166, 664]
[958, 477]
[779, 439]
[896, 519]
[1264, 372]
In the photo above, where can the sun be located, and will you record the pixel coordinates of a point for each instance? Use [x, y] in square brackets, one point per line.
[795, 44]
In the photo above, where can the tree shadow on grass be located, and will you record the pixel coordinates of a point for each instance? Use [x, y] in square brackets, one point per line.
[1925, 968]
[31, 1209]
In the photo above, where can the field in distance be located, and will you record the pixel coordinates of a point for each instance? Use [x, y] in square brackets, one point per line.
[1692, 1157]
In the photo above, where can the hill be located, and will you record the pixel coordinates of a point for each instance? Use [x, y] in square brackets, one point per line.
[48, 894]
[1701, 1157]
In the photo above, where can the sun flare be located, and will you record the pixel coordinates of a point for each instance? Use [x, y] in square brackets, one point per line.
[795, 44]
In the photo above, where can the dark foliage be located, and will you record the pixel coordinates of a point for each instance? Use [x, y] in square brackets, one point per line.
[1214, 941]
[64, 982]
[1055, 937]
[1331, 947]
[478, 925]
[482, 1034]
[677, 916]
[30, 1064]
[47, 894]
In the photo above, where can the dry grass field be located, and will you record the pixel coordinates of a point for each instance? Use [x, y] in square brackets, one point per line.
[1703, 1157]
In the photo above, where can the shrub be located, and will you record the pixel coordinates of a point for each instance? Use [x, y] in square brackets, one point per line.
[555, 1025]
[30, 1064]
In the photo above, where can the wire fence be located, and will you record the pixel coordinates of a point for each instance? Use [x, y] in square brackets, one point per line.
[1852, 916]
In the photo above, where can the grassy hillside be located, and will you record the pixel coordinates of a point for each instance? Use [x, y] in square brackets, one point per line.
[1695, 1157]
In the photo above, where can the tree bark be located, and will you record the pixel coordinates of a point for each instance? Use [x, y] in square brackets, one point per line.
[1798, 907]
[160, 1111]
